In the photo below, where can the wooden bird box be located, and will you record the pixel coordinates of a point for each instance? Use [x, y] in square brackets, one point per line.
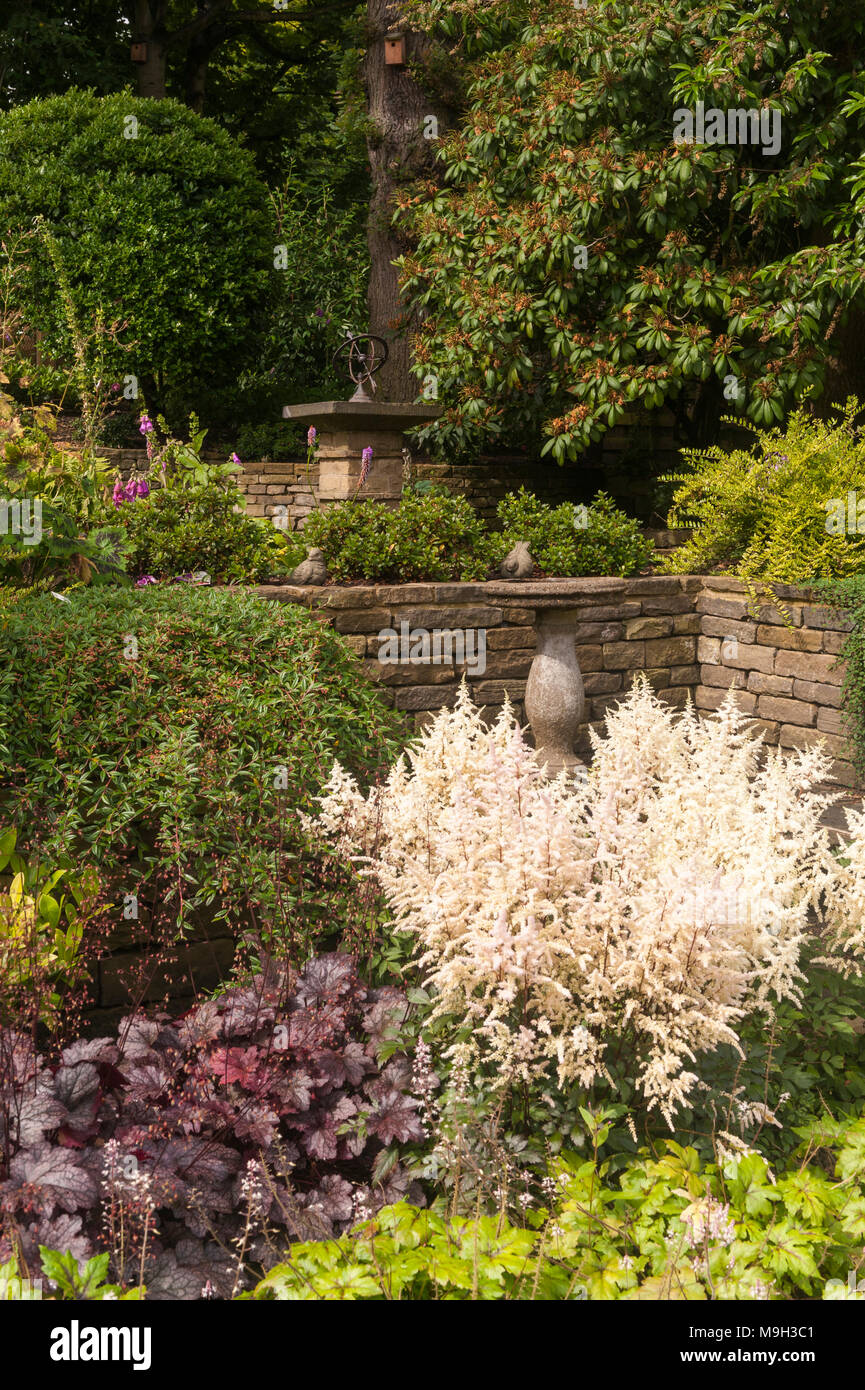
[394, 49]
[138, 53]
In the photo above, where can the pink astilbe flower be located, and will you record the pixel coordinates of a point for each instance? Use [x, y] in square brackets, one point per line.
[664, 898]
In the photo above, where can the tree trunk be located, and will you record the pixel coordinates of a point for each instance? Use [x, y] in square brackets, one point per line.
[398, 109]
[150, 29]
[195, 77]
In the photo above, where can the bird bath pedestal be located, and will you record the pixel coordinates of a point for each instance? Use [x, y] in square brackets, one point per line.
[555, 698]
[345, 429]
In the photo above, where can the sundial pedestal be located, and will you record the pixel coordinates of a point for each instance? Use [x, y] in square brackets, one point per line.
[344, 429]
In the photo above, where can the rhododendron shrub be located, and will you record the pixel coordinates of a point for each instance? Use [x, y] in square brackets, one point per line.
[648, 907]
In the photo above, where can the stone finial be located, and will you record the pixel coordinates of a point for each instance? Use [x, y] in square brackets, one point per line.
[519, 564]
[312, 570]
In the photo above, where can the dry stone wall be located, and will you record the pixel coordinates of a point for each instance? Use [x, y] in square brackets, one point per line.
[691, 635]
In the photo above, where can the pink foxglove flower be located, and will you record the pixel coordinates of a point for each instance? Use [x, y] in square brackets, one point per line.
[365, 462]
[311, 436]
[142, 488]
[118, 494]
[131, 489]
[146, 426]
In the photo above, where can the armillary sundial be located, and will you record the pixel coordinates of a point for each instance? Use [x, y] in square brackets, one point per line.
[365, 355]
[346, 428]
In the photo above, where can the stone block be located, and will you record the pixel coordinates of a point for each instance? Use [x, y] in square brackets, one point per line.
[425, 697]
[797, 712]
[834, 641]
[602, 682]
[818, 693]
[666, 607]
[493, 692]
[816, 615]
[711, 697]
[725, 677]
[674, 695]
[499, 637]
[687, 624]
[767, 727]
[809, 666]
[591, 658]
[800, 639]
[671, 651]
[647, 627]
[624, 656]
[721, 607]
[794, 736]
[726, 627]
[459, 615]
[363, 620]
[761, 684]
[831, 721]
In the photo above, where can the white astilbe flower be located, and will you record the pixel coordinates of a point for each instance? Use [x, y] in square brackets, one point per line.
[665, 897]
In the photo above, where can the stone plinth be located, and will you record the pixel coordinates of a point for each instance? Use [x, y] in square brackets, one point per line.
[345, 429]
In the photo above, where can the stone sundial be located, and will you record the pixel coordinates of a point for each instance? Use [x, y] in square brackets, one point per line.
[346, 428]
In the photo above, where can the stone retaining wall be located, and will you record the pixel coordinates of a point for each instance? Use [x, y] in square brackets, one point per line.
[625, 625]
[692, 635]
[282, 488]
[784, 665]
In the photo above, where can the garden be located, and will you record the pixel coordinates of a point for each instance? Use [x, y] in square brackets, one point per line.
[432, 840]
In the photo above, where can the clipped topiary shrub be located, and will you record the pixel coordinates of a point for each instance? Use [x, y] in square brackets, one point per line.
[430, 535]
[162, 227]
[574, 540]
[170, 734]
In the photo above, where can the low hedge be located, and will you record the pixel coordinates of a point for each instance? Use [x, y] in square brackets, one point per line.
[176, 731]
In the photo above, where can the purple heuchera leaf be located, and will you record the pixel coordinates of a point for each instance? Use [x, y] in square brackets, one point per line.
[53, 1178]
[327, 978]
[394, 1116]
[38, 1112]
[193, 1100]
[258, 1125]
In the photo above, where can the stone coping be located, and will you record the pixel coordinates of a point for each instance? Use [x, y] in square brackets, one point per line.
[550, 590]
[395, 415]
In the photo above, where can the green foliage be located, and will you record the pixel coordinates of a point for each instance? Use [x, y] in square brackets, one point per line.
[323, 273]
[772, 512]
[568, 540]
[43, 915]
[70, 489]
[178, 531]
[163, 228]
[803, 1067]
[669, 1227]
[433, 535]
[702, 262]
[194, 518]
[428, 536]
[181, 729]
[847, 597]
[68, 1280]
